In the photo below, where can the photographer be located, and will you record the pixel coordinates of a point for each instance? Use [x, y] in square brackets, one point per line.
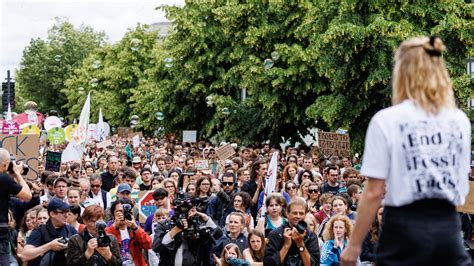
[176, 239]
[92, 247]
[47, 243]
[12, 184]
[131, 238]
[293, 244]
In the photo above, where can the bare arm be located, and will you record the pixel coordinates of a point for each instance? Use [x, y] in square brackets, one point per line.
[31, 252]
[366, 211]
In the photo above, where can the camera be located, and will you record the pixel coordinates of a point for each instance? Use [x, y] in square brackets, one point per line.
[196, 227]
[63, 240]
[13, 162]
[301, 226]
[127, 211]
[103, 240]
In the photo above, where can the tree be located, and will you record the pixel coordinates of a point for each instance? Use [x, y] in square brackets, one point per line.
[112, 74]
[331, 63]
[47, 64]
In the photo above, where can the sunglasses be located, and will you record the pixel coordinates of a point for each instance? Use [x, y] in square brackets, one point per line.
[313, 191]
[228, 183]
[292, 161]
[290, 187]
[305, 175]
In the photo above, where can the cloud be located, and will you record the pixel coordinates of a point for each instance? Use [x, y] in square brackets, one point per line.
[23, 20]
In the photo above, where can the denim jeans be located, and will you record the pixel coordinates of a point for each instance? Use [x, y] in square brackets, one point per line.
[426, 232]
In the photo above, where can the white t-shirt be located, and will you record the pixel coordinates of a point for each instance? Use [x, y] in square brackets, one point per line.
[420, 156]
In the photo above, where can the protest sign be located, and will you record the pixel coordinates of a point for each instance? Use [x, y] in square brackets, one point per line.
[53, 161]
[225, 152]
[333, 143]
[70, 131]
[146, 204]
[10, 128]
[30, 130]
[56, 135]
[133, 134]
[25, 149]
[201, 164]
[468, 206]
[122, 132]
[136, 141]
[91, 131]
[52, 121]
[104, 144]
[189, 136]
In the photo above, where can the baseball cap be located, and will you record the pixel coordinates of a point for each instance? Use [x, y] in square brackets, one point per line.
[57, 204]
[124, 187]
[136, 159]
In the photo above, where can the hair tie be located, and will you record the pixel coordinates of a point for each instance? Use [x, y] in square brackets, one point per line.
[431, 50]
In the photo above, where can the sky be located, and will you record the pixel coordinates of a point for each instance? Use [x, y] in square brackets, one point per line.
[23, 20]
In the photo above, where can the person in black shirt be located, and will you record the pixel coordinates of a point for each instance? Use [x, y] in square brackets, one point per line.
[286, 246]
[109, 176]
[9, 185]
[145, 174]
[256, 184]
[331, 186]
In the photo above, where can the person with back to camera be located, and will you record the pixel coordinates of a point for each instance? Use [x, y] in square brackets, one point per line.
[10, 184]
[420, 150]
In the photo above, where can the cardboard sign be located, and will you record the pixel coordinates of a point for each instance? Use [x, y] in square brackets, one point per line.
[225, 152]
[122, 132]
[468, 206]
[201, 164]
[104, 144]
[146, 204]
[189, 136]
[333, 143]
[25, 149]
[133, 134]
[53, 161]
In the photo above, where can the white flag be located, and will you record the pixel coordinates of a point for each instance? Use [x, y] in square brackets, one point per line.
[76, 146]
[100, 130]
[270, 179]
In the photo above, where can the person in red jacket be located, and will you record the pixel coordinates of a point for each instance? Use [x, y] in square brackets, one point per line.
[131, 238]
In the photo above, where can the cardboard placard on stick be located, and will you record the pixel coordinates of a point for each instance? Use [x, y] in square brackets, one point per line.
[201, 164]
[53, 161]
[133, 134]
[104, 144]
[122, 132]
[333, 143]
[25, 148]
[468, 206]
[225, 152]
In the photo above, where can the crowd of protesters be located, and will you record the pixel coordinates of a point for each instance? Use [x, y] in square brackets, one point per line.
[70, 212]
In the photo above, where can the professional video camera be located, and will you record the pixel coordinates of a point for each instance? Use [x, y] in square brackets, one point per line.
[103, 240]
[196, 227]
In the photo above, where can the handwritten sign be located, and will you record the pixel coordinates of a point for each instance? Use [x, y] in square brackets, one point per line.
[225, 152]
[146, 204]
[25, 148]
[201, 164]
[122, 132]
[53, 161]
[104, 144]
[133, 134]
[333, 143]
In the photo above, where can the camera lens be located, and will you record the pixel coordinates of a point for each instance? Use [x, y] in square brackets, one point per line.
[301, 226]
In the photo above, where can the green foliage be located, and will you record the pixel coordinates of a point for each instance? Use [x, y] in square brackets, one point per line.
[46, 64]
[113, 74]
